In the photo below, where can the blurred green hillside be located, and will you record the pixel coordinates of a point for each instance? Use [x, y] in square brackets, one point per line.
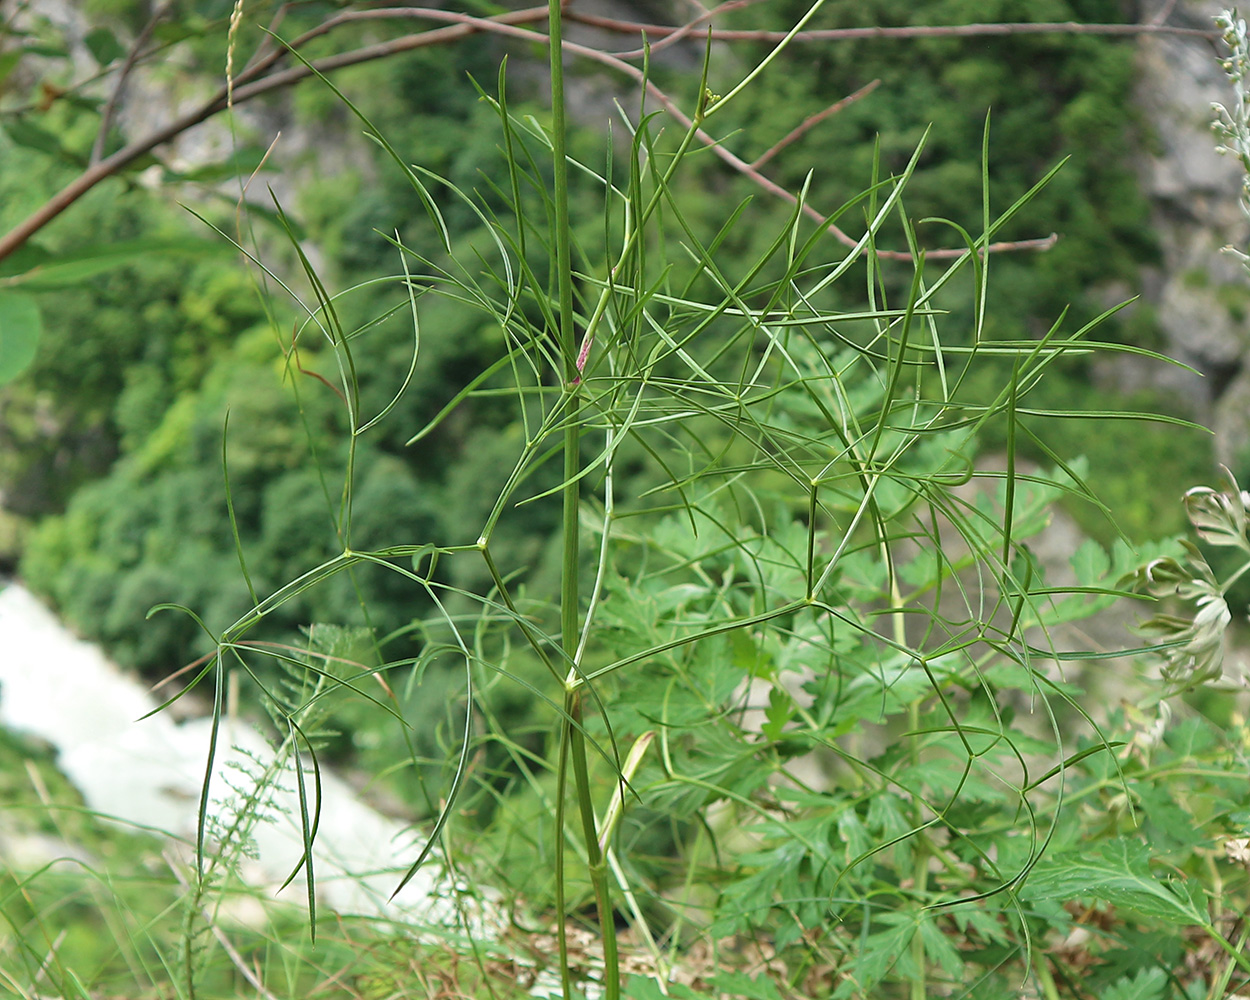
[111, 446]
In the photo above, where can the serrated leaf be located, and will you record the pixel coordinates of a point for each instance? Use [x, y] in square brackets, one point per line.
[1219, 518]
[739, 984]
[940, 949]
[778, 714]
[851, 830]
[880, 953]
[1090, 562]
[1149, 984]
[645, 988]
[1117, 872]
[20, 327]
[1167, 824]
[886, 816]
[986, 924]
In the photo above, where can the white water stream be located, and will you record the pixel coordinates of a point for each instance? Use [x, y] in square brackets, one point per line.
[148, 773]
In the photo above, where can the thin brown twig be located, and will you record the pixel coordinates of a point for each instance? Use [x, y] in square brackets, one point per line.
[501, 27]
[813, 120]
[119, 160]
[999, 29]
[263, 644]
[689, 26]
[615, 62]
[267, 43]
[252, 83]
[771, 186]
[123, 74]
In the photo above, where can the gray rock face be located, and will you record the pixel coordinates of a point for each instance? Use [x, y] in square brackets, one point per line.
[1200, 294]
[1179, 79]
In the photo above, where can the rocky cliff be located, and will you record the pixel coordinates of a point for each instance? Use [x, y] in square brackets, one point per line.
[1200, 296]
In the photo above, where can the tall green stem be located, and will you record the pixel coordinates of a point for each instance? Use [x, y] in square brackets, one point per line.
[572, 741]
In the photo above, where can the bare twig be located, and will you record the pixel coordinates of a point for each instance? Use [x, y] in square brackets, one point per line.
[267, 43]
[684, 31]
[905, 32]
[813, 120]
[736, 162]
[256, 79]
[772, 187]
[118, 161]
[123, 74]
[769, 185]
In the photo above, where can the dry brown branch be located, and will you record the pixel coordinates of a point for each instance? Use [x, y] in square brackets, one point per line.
[771, 186]
[271, 33]
[1164, 12]
[118, 161]
[256, 79]
[663, 31]
[685, 30]
[813, 120]
[123, 74]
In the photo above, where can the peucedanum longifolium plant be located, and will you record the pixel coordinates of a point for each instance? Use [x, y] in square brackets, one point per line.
[801, 720]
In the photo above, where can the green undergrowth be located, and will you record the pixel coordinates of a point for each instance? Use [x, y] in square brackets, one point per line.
[139, 351]
[729, 664]
[807, 715]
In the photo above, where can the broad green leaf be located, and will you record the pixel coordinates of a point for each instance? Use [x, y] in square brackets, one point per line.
[103, 46]
[25, 258]
[49, 50]
[1117, 872]
[69, 269]
[20, 326]
[26, 133]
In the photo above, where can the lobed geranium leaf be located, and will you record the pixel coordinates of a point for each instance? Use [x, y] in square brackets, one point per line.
[1117, 872]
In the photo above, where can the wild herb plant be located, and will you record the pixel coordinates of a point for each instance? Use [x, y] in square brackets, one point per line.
[798, 692]
[804, 712]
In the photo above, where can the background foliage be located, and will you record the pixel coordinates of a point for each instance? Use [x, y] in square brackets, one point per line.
[134, 405]
[113, 457]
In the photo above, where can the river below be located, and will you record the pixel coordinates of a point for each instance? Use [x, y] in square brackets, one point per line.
[146, 771]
